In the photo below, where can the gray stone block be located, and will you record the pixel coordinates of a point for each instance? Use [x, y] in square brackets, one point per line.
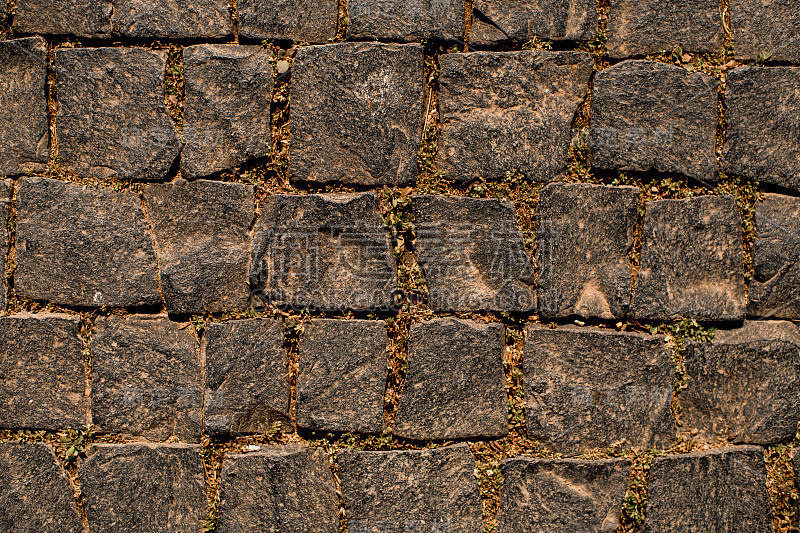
[745, 386]
[455, 385]
[712, 491]
[24, 126]
[202, 232]
[83, 246]
[405, 20]
[111, 119]
[42, 377]
[327, 251]
[585, 232]
[509, 111]
[649, 116]
[246, 387]
[172, 19]
[5, 238]
[775, 289]
[143, 487]
[763, 119]
[473, 254]
[356, 113]
[146, 378]
[417, 490]
[83, 18]
[308, 21]
[496, 22]
[692, 261]
[591, 388]
[562, 496]
[342, 377]
[637, 28]
[294, 486]
[227, 113]
[766, 30]
[35, 493]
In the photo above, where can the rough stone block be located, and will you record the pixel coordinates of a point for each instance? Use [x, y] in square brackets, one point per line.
[83, 18]
[766, 30]
[227, 113]
[146, 378]
[310, 21]
[143, 487]
[499, 21]
[590, 388]
[295, 488]
[562, 496]
[342, 375]
[42, 378]
[745, 387]
[692, 261]
[202, 231]
[172, 19]
[419, 490]
[356, 113]
[509, 111]
[5, 238]
[405, 20]
[35, 494]
[638, 28]
[712, 491]
[455, 385]
[473, 254]
[649, 116]
[763, 116]
[585, 232]
[83, 246]
[327, 251]
[111, 118]
[775, 289]
[246, 387]
[24, 126]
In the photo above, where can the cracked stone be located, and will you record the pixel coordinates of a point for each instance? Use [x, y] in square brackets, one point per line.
[202, 232]
[638, 28]
[411, 490]
[146, 378]
[111, 119]
[473, 254]
[585, 232]
[766, 30]
[42, 379]
[227, 111]
[24, 126]
[295, 487]
[763, 117]
[356, 113]
[496, 22]
[143, 487]
[455, 385]
[591, 388]
[405, 20]
[692, 261]
[509, 111]
[83, 246]
[82, 18]
[35, 493]
[649, 116]
[309, 21]
[710, 491]
[744, 386]
[775, 289]
[562, 496]
[342, 376]
[327, 251]
[5, 237]
[172, 19]
[246, 388]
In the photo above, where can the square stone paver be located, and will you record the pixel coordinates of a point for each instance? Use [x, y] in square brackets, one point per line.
[499, 21]
[172, 19]
[310, 21]
[405, 20]
[5, 238]
[766, 30]
[83, 18]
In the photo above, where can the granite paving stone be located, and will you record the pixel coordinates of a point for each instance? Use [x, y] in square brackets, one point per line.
[499, 21]
[405, 20]
[301, 20]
